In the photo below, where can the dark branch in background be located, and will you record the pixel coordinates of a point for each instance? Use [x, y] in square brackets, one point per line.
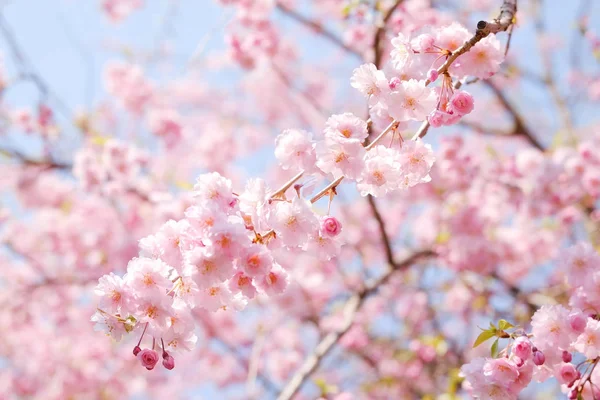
[26, 160]
[519, 127]
[389, 254]
[352, 306]
[380, 34]
[319, 29]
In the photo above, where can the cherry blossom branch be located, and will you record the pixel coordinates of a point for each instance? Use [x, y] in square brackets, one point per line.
[318, 29]
[352, 306]
[506, 18]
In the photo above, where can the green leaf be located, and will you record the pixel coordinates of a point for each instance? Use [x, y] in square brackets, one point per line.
[492, 327]
[504, 324]
[495, 349]
[483, 336]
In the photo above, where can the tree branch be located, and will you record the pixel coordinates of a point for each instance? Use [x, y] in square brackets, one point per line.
[351, 307]
[318, 28]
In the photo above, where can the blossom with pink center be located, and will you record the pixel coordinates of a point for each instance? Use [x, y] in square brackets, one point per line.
[368, 80]
[484, 59]
[295, 150]
[550, 328]
[340, 157]
[275, 282]
[215, 297]
[294, 221]
[210, 266]
[501, 371]
[114, 292]
[214, 188]
[461, 103]
[565, 373]
[148, 358]
[452, 36]
[522, 348]
[256, 261]
[330, 226]
[579, 262]
[155, 308]
[147, 274]
[588, 342]
[416, 159]
[411, 100]
[241, 282]
[346, 126]
[167, 243]
[382, 172]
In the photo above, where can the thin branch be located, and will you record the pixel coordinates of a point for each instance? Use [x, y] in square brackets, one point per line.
[319, 29]
[352, 306]
[484, 29]
[520, 127]
[380, 34]
[389, 254]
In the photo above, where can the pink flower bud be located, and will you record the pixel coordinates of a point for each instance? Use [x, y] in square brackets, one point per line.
[577, 321]
[395, 81]
[136, 350]
[168, 362]
[573, 394]
[432, 75]
[567, 373]
[149, 358]
[522, 347]
[461, 102]
[436, 118]
[539, 358]
[566, 356]
[330, 226]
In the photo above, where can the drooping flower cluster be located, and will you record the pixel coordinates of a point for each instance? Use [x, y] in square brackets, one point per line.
[558, 335]
[218, 257]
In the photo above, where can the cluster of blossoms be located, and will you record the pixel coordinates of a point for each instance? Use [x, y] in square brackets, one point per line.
[254, 36]
[558, 336]
[339, 152]
[213, 259]
[109, 167]
[402, 95]
[128, 84]
[43, 123]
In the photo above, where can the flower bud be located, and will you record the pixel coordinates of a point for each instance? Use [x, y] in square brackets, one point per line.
[432, 75]
[168, 362]
[149, 358]
[539, 358]
[566, 356]
[330, 227]
[522, 347]
[136, 350]
[577, 321]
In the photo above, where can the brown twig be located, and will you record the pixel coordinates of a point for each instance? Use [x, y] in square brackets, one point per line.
[351, 308]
